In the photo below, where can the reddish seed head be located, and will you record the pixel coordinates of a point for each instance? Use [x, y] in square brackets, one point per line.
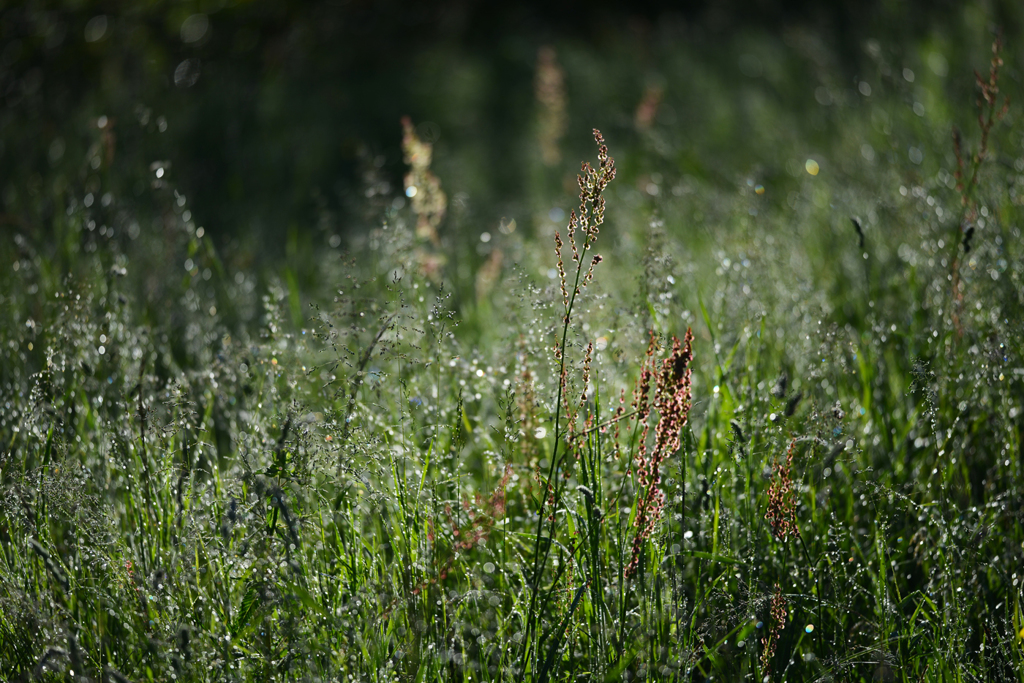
[672, 396]
[781, 514]
[770, 640]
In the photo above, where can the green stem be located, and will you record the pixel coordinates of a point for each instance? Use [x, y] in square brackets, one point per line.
[538, 563]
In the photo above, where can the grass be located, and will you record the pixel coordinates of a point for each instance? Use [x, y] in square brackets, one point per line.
[427, 472]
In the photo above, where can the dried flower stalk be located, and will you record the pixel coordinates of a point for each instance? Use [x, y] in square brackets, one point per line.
[672, 397]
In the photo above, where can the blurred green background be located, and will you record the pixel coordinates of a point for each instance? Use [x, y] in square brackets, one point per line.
[272, 115]
[275, 127]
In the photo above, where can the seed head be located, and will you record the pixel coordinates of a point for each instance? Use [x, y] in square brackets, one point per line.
[781, 513]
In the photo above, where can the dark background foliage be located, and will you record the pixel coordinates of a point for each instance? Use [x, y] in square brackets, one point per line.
[271, 111]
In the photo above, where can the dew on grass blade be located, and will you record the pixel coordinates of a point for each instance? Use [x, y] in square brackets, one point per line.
[809, 628]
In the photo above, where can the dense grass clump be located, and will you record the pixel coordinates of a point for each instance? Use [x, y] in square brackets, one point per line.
[780, 441]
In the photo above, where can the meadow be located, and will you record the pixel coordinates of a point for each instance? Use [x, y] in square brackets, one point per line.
[742, 400]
